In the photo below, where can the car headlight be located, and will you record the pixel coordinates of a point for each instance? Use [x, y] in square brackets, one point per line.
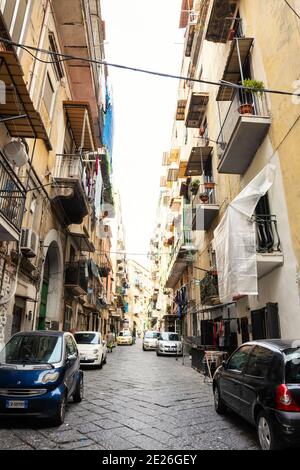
[50, 377]
[95, 351]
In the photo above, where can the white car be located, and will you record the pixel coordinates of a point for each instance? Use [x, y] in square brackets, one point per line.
[150, 340]
[92, 348]
[169, 343]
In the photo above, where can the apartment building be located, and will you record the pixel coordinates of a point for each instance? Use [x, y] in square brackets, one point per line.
[55, 268]
[230, 177]
[139, 295]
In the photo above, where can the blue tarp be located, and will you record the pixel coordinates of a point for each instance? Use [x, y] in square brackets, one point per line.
[108, 130]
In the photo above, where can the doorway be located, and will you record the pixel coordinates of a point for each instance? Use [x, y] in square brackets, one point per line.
[16, 320]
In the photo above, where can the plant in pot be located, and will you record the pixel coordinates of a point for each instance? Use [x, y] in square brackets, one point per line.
[195, 186]
[255, 87]
[204, 198]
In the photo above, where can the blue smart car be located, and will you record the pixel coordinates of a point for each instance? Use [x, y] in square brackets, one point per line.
[39, 372]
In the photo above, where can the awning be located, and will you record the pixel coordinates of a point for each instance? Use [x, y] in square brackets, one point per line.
[232, 72]
[80, 119]
[18, 102]
[198, 158]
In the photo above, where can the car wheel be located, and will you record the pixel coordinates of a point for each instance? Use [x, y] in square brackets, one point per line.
[220, 406]
[78, 394]
[268, 440]
[157, 353]
[60, 414]
[144, 349]
[104, 361]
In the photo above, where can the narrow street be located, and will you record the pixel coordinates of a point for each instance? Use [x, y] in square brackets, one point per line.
[137, 401]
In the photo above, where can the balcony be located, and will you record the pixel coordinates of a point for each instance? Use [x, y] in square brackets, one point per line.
[190, 33]
[69, 189]
[205, 206]
[76, 278]
[195, 109]
[243, 131]
[221, 20]
[12, 202]
[180, 259]
[209, 289]
[199, 157]
[269, 254]
[81, 234]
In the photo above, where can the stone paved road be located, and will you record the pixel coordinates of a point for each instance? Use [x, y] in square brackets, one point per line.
[137, 401]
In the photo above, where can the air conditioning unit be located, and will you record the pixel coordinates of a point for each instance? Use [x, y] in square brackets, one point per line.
[29, 243]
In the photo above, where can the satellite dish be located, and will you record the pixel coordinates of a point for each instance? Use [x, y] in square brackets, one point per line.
[16, 153]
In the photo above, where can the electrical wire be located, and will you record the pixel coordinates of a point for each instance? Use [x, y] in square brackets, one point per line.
[293, 9]
[66, 57]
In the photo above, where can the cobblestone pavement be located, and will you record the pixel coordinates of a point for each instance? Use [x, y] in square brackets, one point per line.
[137, 401]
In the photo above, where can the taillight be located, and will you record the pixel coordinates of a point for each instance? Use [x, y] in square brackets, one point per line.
[284, 399]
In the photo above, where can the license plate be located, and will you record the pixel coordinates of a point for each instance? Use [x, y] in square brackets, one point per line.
[17, 404]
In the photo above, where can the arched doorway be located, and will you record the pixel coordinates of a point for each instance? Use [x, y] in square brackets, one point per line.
[51, 288]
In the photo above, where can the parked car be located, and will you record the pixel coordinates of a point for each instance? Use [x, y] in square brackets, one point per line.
[261, 382]
[92, 348]
[39, 373]
[169, 343]
[124, 337]
[150, 340]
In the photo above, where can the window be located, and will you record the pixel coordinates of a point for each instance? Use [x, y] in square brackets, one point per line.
[8, 12]
[292, 366]
[71, 348]
[259, 362]
[239, 359]
[67, 320]
[48, 94]
[57, 65]
[19, 20]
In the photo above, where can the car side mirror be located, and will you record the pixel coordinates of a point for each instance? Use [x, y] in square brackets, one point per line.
[224, 364]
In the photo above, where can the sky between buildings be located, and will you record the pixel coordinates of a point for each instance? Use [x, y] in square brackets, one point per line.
[143, 34]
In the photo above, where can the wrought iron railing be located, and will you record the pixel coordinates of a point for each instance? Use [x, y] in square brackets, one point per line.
[267, 234]
[209, 288]
[70, 166]
[77, 275]
[244, 103]
[206, 194]
[12, 194]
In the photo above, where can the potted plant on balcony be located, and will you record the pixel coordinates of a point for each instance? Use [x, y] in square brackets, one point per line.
[194, 187]
[204, 198]
[257, 87]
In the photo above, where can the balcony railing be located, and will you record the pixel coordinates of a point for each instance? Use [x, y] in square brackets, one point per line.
[268, 240]
[71, 188]
[12, 195]
[206, 194]
[244, 128]
[77, 276]
[68, 166]
[256, 106]
[209, 289]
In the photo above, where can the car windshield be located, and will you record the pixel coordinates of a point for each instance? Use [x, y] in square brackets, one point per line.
[86, 338]
[151, 334]
[30, 349]
[169, 337]
[124, 333]
[292, 366]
